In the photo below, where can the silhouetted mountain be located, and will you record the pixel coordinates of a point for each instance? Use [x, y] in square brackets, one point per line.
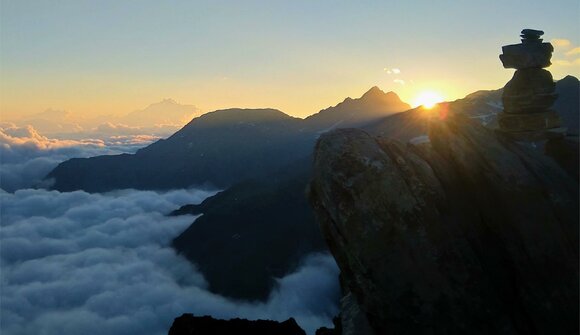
[372, 105]
[254, 231]
[482, 106]
[567, 104]
[218, 148]
[221, 148]
[251, 230]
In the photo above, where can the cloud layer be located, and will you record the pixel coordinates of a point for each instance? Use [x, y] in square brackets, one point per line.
[27, 156]
[76, 262]
[159, 119]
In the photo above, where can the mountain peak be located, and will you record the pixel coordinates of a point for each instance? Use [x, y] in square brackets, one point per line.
[372, 105]
[167, 101]
[373, 91]
[568, 79]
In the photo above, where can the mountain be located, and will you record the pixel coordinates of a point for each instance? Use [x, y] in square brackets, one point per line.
[482, 106]
[165, 112]
[220, 148]
[259, 156]
[250, 207]
[374, 104]
[567, 104]
[255, 231]
[466, 232]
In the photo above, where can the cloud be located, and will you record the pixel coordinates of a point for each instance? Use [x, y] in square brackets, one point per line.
[561, 42]
[392, 71]
[566, 59]
[28, 156]
[399, 81]
[27, 137]
[75, 261]
[108, 131]
[574, 51]
[71, 261]
[161, 119]
[566, 63]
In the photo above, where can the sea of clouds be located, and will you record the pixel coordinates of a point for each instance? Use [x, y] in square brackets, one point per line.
[26, 156]
[80, 263]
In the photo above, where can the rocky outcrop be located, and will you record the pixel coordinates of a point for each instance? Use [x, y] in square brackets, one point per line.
[468, 232]
[188, 324]
[529, 95]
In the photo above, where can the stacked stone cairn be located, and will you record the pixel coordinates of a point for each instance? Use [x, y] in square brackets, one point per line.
[530, 94]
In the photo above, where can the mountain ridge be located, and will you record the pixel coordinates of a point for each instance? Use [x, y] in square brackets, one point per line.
[220, 148]
[372, 105]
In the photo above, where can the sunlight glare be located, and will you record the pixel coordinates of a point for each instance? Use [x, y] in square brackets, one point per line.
[427, 99]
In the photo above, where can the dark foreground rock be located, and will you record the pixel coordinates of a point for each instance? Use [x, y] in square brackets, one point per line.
[187, 324]
[468, 233]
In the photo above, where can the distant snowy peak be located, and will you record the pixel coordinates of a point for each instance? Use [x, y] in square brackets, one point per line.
[165, 112]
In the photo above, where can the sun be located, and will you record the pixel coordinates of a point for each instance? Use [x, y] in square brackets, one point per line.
[427, 99]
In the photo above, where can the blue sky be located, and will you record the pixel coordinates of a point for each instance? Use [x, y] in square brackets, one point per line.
[102, 57]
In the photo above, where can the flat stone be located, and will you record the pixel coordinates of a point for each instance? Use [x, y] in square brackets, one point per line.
[528, 122]
[532, 32]
[527, 55]
[530, 36]
[523, 104]
[533, 135]
[528, 41]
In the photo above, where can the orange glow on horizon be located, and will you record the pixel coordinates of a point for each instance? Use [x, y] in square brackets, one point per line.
[427, 99]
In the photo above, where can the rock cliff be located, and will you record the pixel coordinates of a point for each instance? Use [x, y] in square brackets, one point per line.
[464, 232]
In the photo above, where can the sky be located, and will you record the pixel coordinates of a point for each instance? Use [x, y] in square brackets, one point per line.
[106, 57]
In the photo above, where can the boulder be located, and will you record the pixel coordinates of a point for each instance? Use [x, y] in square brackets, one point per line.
[188, 324]
[468, 233]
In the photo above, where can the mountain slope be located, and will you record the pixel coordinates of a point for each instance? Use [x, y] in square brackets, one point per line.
[481, 106]
[255, 231]
[567, 104]
[218, 148]
[372, 105]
